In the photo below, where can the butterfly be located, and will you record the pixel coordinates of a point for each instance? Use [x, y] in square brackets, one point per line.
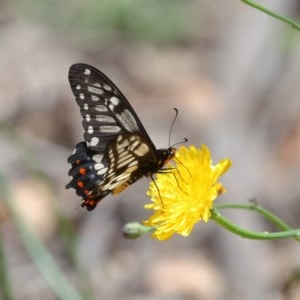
[116, 150]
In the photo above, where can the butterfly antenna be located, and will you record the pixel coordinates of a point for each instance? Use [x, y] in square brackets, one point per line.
[184, 140]
[176, 114]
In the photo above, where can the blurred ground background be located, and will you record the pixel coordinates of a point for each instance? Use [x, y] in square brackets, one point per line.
[233, 73]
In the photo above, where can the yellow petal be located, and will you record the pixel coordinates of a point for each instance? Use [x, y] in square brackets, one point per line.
[184, 196]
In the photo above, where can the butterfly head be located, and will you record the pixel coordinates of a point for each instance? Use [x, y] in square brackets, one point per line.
[165, 156]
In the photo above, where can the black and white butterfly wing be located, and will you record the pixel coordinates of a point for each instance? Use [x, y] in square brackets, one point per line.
[117, 149]
[105, 111]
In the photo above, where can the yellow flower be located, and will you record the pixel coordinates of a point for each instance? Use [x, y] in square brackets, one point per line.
[184, 195]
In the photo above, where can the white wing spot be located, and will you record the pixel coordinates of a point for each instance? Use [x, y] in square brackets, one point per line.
[114, 100]
[85, 106]
[128, 120]
[90, 130]
[87, 72]
[102, 171]
[101, 108]
[111, 185]
[134, 145]
[109, 129]
[98, 166]
[122, 144]
[122, 153]
[95, 98]
[88, 117]
[132, 138]
[107, 87]
[98, 158]
[81, 96]
[105, 119]
[127, 157]
[94, 141]
[95, 90]
[78, 87]
[142, 150]
[133, 163]
[126, 162]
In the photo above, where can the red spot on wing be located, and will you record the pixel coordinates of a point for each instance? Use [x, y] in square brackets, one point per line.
[80, 184]
[89, 204]
[82, 171]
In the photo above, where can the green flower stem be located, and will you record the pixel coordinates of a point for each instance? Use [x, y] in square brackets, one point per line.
[272, 14]
[255, 207]
[232, 227]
